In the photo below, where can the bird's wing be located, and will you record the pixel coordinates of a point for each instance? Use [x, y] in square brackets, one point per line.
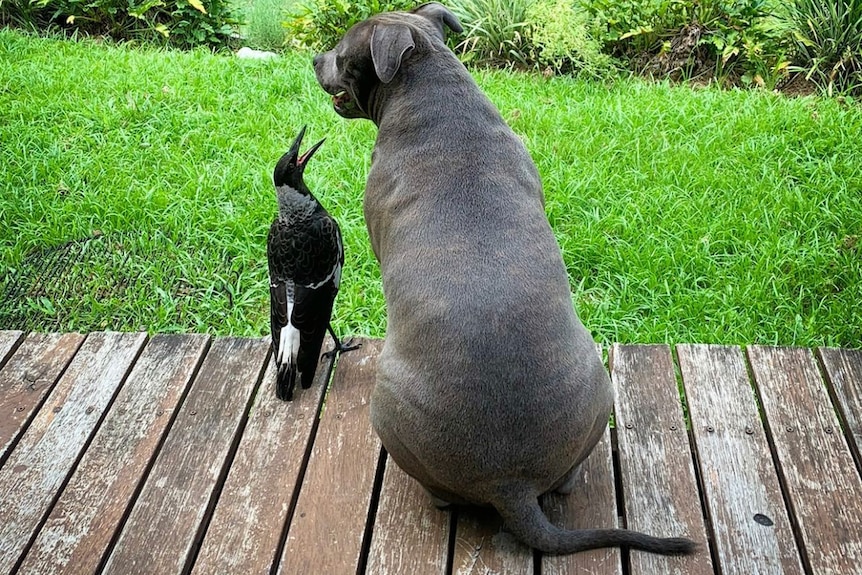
[279, 310]
[311, 316]
[285, 337]
[322, 253]
[315, 296]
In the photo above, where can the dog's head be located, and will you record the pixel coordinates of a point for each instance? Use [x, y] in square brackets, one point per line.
[373, 51]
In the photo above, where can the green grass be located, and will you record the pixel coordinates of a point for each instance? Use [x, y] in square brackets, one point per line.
[683, 215]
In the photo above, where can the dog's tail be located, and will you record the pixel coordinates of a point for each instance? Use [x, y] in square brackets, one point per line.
[525, 519]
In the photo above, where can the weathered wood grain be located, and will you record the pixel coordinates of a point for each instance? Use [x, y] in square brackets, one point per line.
[164, 525]
[328, 527]
[84, 519]
[482, 547]
[822, 482]
[28, 377]
[8, 340]
[591, 505]
[753, 533]
[246, 528]
[44, 456]
[844, 371]
[658, 479]
[410, 535]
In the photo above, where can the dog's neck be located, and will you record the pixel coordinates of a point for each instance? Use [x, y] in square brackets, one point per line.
[445, 72]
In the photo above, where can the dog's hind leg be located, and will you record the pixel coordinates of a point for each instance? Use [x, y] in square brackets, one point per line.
[568, 482]
[438, 502]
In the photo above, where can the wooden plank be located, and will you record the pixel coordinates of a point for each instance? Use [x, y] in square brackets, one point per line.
[591, 505]
[8, 340]
[844, 372]
[821, 480]
[482, 547]
[245, 532]
[328, 527]
[410, 534]
[46, 453]
[658, 480]
[753, 532]
[164, 525]
[28, 377]
[84, 519]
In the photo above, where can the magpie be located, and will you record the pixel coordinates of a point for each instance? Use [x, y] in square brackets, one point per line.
[305, 255]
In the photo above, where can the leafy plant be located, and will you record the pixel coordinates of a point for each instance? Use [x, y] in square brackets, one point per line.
[190, 23]
[180, 23]
[828, 38]
[744, 39]
[628, 27]
[560, 38]
[731, 40]
[319, 24]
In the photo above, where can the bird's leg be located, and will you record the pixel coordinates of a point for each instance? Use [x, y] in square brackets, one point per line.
[340, 347]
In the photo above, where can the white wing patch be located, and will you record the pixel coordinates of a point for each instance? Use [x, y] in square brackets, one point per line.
[334, 275]
[337, 275]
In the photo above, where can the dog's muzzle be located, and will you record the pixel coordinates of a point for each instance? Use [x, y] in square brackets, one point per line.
[327, 76]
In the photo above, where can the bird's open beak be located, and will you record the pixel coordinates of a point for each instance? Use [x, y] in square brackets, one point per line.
[293, 152]
[308, 153]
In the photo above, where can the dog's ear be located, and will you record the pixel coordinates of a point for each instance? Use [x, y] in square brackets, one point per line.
[440, 16]
[390, 44]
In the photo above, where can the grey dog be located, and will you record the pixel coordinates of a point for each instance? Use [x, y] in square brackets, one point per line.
[489, 389]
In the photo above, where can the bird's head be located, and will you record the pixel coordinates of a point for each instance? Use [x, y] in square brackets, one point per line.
[288, 170]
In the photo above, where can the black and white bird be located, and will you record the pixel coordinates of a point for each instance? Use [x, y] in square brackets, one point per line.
[305, 255]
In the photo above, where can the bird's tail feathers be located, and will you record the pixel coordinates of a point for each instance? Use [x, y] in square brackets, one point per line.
[285, 380]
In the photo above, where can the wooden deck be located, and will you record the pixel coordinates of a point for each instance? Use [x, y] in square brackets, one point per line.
[124, 454]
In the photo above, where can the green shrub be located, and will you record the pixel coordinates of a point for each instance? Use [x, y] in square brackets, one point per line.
[180, 23]
[743, 39]
[728, 39]
[550, 34]
[495, 31]
[319, 24]
[629, 27]
[560, 38]
[263, 27]
[828, 38]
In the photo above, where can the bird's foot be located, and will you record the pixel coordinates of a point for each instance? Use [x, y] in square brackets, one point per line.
[340, 346]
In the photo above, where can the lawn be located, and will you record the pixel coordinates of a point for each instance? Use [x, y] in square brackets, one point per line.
[683, 215]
